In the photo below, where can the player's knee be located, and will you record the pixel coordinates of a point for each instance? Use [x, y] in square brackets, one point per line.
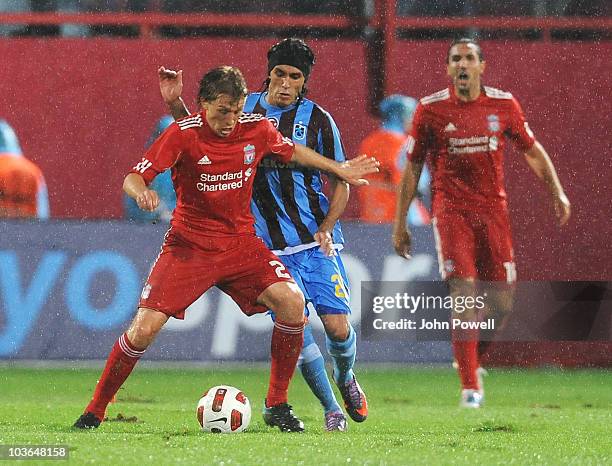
[285, 300]
[140, 337]
[291, 304]
[295, 305]
[336, 327]
[145, 326]
[462, 287]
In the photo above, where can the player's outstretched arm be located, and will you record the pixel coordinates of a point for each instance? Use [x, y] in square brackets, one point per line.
[542, 166]
[350, 171]
[337, 203]
[135, 187]
[406, 191]
[171, 88]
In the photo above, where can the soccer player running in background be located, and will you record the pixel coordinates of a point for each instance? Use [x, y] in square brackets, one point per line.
[213, 156]
[295, 219]
[463, 129]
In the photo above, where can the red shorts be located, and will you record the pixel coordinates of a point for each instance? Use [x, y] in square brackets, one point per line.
[242, 267]
[475, 245]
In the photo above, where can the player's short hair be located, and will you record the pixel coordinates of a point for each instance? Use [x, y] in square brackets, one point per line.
[465, 40]
[226, 80]
[292, 52]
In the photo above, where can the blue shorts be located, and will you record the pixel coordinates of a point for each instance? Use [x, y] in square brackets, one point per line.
[322, 279]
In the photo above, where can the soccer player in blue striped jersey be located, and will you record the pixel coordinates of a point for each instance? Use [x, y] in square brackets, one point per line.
[299, 223]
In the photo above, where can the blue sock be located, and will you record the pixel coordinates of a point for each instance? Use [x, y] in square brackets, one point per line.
[343, 355]
[312, 365]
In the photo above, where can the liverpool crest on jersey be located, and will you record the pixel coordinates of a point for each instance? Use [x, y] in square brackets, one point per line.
[249, 154]
[493, 123]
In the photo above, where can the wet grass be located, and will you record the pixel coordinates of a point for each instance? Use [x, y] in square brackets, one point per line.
[531, 416]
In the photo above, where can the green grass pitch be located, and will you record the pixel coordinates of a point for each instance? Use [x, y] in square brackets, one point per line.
[531, 417]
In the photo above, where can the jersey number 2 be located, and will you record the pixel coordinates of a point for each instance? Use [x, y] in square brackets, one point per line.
[279, 268]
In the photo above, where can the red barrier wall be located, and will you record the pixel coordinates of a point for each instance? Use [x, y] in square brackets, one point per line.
[84, 108]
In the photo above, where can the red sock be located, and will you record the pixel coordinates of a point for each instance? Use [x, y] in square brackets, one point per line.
[287, 341]
[121, 360]
[465, 349]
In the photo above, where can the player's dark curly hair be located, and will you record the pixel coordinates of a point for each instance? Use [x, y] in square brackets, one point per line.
[465, 40]
[222, 80]
[293, 52]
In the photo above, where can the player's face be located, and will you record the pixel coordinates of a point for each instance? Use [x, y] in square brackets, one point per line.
[286, 83]
[464, 67]
[222, 114]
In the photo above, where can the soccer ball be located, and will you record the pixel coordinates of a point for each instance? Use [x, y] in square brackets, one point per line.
[224, 409]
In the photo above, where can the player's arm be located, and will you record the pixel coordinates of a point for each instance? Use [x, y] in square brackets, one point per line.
[135, 187]
[416, 147]
[330, 145]
[163, 154]
[171, 88]
[538, 160]
[407, 190]
[540, 163]
[350, 171]
[340, 191]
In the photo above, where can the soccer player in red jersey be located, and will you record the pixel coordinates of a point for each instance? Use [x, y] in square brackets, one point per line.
[463, 129]
[213, 156]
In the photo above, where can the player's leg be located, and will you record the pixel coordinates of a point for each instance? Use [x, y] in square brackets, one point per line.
[124, 355]
[312, 367]
[311, 362]
[327, 285]
[500, 299]
[341, 341]
[465, 343]
[287, 302]
[498, 271]
[179, 276]
[455, 245]
[260, 282]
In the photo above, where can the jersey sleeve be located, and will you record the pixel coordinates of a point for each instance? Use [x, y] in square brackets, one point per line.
[330, 144]
[518, 129]
[162, 154]
[419, 138]
[276, 144]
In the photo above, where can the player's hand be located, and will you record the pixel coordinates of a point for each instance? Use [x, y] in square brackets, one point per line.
[148, 200]
[326, 242]
[170, 84]
[352, 170]
[563, 208]
[401, 243]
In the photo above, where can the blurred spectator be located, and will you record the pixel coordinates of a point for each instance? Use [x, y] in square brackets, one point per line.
[594, 8]
[162, 184]
[330, 7]
[23, 191]
[117, 6]
[377, 200]
[38, 6]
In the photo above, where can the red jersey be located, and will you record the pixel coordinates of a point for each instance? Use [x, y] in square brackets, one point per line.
[213, 176]
[465, 142]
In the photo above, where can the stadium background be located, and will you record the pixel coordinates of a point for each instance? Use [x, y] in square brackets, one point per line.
[84, 107]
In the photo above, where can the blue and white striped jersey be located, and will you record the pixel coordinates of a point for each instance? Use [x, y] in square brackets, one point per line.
[288, 203]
